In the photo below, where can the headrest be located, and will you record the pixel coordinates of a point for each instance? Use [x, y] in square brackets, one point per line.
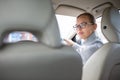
[111, 24]
[36, 16]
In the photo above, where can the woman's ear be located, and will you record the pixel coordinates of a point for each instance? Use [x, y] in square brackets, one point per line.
[95, 26]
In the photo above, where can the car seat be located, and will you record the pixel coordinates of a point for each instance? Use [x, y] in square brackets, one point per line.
[46, 59]
[104, 64]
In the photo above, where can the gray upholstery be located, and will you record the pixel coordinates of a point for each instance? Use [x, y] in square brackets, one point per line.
[35, 16]
[44, 60]
[104, 64]
[111, 20]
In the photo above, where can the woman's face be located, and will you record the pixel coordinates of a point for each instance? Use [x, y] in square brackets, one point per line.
[88, 28]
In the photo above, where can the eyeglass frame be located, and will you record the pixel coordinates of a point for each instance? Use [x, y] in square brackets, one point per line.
[82, 25]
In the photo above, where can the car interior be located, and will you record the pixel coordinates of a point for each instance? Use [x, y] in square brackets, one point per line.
[76, 7]
[104, 64]
[46, 57]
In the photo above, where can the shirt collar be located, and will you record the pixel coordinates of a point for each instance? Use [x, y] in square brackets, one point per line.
[90, 39]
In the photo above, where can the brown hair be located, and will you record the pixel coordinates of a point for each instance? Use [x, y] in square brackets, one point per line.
[90, 16]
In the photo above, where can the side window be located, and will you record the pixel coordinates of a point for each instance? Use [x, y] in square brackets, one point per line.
[66, 25]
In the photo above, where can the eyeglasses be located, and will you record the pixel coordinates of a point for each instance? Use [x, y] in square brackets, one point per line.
[82, 25]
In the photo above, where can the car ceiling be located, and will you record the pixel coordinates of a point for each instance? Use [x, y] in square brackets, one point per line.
[75, 7]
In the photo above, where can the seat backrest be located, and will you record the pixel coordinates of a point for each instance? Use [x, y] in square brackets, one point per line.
[46, 59]
[105, 62]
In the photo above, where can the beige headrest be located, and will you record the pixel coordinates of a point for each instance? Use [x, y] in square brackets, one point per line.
[111, 24]
[36, 16]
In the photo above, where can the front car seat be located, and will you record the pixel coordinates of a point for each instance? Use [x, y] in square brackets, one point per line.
[46, 59]
[105, 62]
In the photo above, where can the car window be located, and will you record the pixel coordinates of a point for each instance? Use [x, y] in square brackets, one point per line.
[65, 25]
[17, 36]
